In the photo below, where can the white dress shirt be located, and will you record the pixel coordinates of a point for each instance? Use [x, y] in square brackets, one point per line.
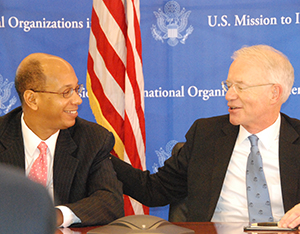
[31, 142]
[232, 203]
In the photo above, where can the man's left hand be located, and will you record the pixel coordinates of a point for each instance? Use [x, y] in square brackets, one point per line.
[292, 218]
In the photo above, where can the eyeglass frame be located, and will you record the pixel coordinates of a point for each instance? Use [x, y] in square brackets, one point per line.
[78, 90]
[240, 89]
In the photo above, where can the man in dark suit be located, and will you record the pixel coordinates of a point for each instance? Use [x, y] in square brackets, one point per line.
[26, 207]
[79, 175]
[210, 169]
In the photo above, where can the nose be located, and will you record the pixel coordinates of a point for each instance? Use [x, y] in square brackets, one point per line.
[231, 94]
[76, 99]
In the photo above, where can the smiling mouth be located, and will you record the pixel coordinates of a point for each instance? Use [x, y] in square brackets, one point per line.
[71, 112]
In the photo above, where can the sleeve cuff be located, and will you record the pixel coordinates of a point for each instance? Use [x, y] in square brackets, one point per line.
[68, 216]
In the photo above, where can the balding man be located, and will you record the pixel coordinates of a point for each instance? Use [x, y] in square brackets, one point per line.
[72, 161]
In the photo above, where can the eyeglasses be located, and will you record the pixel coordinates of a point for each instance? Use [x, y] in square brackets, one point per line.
[237, 88]
[67, 93]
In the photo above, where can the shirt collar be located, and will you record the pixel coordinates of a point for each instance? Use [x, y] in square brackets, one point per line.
[264, 136]
[31, 140]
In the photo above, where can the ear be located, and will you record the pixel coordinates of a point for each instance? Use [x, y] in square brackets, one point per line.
[276, 94]
[30, 99]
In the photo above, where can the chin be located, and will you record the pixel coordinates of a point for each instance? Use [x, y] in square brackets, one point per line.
[68, 124]
[234, 121]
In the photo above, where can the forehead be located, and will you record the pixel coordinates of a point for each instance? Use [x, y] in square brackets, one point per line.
[59, 73]
[242, 71]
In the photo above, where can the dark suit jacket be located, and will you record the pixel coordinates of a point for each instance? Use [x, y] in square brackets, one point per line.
[199, 168]
[83, 175]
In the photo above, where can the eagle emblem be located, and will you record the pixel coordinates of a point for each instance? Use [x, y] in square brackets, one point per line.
[5, 93]
[171, 23]
[163, 155]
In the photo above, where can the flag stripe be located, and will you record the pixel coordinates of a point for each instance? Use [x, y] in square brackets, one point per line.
[106, 106]
[133, 105]
[116, 8]
[117, 22]
[114, 64]
[116, 121]
[111, 89]
[130, 145]
[135, 89]
[115, 81]
[97, 111]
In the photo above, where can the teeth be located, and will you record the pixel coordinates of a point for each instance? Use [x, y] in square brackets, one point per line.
[71, 112]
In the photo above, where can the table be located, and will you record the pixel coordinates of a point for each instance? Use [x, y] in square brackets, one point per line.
[198, 227]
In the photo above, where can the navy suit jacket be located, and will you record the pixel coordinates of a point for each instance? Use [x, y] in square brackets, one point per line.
[83, 175]
[199, 168]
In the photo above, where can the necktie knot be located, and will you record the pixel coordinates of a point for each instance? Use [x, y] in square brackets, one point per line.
[253, 140]
[42, 147]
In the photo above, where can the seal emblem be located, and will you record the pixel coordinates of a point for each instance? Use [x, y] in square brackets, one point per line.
[171, 23]
[5, 93]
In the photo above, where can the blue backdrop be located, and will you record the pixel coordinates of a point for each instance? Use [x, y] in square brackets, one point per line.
[187, 45]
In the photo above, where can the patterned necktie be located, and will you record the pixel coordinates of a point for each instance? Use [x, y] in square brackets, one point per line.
[39, 170]
[259, 205]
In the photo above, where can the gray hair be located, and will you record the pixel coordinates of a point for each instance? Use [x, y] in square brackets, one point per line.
[275, 64]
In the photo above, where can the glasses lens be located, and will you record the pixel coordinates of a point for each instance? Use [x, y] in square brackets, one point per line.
[67, 93]
[79, 89]
[225, 86]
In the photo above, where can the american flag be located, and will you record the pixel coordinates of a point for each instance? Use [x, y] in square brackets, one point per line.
[115, 81]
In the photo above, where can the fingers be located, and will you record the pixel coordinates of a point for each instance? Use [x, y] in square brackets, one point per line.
[292, 218]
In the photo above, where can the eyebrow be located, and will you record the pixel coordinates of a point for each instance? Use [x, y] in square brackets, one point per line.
[68, 86]
[238, 82]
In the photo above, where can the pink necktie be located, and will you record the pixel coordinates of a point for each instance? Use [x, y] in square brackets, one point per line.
[39, 170]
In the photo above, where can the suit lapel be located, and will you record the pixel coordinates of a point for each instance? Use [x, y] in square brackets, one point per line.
[289, 163]
[224, 146]
[65, 166]
[12, 147]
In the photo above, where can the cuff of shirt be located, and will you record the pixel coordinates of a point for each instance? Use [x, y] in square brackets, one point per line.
[68, 216]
